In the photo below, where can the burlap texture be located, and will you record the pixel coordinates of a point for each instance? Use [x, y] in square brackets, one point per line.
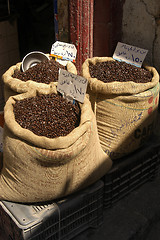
[40, 169]
[14, 86]
[1, 160]
[125, 111]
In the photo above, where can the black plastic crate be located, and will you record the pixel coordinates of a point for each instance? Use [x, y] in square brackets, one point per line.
[131, 172]
[57, 220]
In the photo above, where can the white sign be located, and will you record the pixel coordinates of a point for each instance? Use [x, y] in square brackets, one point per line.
[72, 85]
[62, 62]
[130, 54]
[64, 51]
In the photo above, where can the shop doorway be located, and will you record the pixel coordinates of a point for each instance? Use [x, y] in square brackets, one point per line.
[35, 22]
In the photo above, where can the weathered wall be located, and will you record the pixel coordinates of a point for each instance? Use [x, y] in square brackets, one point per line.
[81, 29]
[141, 27]
[107, 26]
[63, 25]
[139, 19]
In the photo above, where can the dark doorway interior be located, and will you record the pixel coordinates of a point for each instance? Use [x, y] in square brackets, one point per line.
[107, 25]
[35, 19]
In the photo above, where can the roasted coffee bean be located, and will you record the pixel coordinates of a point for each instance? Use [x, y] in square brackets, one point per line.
[43, 72]
[111, 71]
[48, 115]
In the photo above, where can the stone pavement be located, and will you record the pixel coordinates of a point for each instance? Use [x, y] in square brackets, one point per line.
[135, 217]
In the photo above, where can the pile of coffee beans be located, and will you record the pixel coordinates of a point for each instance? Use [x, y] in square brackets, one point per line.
[111, 71]
[43, 72]
[48, 115]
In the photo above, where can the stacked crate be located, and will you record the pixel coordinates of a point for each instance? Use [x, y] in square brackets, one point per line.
[56, 220]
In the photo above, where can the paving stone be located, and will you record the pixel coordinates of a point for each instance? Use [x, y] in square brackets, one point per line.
[154, 233]
[135, 217]
[145, 200]
[120, 223]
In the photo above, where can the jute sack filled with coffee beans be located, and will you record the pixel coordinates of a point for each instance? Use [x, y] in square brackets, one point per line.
[1, 160]
[125, 109]
[38, 168]
[42, 75]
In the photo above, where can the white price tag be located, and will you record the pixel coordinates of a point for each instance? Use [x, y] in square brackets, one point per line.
[72, 85]
[64, 51]
[130, 54]
[62, 62]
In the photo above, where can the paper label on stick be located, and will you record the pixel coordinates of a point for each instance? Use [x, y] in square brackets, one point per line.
[64, 51]
[130, 54]
[72, 85]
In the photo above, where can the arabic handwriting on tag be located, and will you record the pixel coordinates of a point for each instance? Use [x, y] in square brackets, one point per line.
[130, 54]
[64, 51]
[72, 85]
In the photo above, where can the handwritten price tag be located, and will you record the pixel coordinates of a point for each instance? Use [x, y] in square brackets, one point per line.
[72, 85]
[130, 54]
[65, 51]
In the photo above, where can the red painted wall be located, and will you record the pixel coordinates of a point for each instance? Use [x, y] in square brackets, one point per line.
[107, 25]
[95, 27]
[81, 29]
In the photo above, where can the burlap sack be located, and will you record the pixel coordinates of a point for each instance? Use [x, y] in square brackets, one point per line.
[125, 111]
[13, 86]
[37, 168]
[1, 160]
